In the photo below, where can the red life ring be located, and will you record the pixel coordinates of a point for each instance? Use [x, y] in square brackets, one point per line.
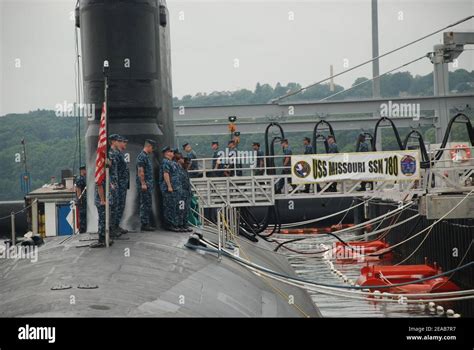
[456, 153]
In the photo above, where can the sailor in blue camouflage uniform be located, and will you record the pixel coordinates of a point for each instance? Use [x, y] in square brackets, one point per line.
[170, 187]
[186, 164]
[145, 184]
[183, 194]
[362, 145]
[308, 148]
[114, 155]
[332, 145]
[81, 198]
[99, 202]
[123, 174]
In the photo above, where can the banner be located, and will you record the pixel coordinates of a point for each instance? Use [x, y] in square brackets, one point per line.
[363, 166]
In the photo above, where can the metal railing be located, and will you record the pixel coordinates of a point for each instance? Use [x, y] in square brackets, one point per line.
[453, 172]
[244, 184]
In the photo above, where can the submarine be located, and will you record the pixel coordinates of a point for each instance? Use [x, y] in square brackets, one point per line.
[149, 274]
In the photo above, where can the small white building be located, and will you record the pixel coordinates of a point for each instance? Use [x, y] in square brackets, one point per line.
[52, 211]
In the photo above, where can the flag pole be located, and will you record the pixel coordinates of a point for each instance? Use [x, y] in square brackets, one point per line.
[107, 178]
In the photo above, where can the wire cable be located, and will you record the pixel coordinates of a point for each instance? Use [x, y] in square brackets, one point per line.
[372, 59]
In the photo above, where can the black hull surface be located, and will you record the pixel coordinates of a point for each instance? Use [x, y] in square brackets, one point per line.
[295, 210]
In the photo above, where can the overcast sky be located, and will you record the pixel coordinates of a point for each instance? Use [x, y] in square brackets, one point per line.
[273, 41]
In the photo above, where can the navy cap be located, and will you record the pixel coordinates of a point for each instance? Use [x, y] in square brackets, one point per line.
[256, 143]
[150, 142]
[184, 145]
[214, 143]
[82, 167]
[166, 149]
[114, 137]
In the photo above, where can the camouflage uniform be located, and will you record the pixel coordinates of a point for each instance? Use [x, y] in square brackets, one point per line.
[194, 165]
[113, 176]
[363, 147]
[170, 199]
[145, 197]
[101, 211]
[332, 148]
[123, 186]
[183, 196]
[308, 149]
[82, 203]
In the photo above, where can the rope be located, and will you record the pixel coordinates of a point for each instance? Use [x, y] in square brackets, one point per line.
[355, 227]
[306, 282]
[305, 222]
[376, 77]
[365, 294]
[431, 226]
[18, 212]
[279, 291]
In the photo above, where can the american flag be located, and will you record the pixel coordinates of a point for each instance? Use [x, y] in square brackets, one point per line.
[101, 150]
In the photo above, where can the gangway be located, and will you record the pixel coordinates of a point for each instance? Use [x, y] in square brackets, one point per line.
[215, 188]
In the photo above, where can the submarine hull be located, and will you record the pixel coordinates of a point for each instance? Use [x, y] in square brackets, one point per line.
[159, 278]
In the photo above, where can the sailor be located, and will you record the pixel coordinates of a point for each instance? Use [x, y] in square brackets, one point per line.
[81, 198]
[183, 193]
[286, 165]
[145, 184]
[362, 145]
[113, 175]
[99, 201]
[260, 162]
[191, 154]
[216, 160]
[123, 182]
[308, 148]
[169, 188]
[332, 145]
